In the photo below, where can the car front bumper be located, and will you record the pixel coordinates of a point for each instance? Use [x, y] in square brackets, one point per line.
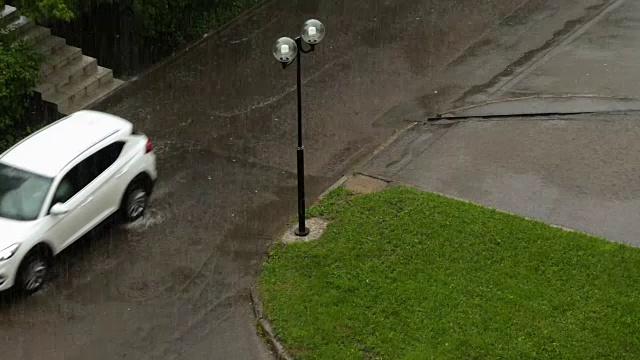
[8, 270]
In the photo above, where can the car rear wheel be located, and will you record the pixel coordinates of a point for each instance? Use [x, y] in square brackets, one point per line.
[33, 271]
[135, 201]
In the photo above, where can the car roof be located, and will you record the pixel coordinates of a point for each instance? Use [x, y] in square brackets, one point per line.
[47, 151]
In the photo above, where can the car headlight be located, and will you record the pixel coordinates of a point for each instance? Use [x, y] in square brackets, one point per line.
[7, 253]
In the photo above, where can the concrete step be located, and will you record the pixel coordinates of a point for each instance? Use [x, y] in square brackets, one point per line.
[92, 97]
[72, 71]
[50, 44]
[8, 15]
[35, 34]
[85, 84]
[70, 80]
[63, 56]
[18, 27]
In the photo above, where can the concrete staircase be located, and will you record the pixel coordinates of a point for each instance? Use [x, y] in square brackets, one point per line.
[70, 80]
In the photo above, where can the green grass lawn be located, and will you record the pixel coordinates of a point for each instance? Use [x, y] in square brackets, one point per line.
[403, 274]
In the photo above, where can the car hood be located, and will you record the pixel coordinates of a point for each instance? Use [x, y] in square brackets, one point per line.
[13, 231]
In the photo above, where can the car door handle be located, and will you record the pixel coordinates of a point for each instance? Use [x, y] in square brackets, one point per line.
[85, 202]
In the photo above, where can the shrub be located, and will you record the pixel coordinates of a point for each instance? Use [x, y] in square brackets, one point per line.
[182, 21]
[46, 9]
[19, 74]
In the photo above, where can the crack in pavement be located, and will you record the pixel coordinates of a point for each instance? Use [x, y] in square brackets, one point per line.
[542, 106]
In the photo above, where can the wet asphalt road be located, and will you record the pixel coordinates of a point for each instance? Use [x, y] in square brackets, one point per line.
[175, 285]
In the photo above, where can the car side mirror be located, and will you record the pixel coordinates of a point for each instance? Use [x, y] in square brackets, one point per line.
[59, 209]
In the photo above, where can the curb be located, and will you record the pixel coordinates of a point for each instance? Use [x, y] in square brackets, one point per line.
[266, 326]
[356, 168]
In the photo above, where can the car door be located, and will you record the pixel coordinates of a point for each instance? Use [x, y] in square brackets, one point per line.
[106, 189]
[74, 192]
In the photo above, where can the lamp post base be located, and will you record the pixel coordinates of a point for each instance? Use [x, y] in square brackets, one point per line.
[301, 233]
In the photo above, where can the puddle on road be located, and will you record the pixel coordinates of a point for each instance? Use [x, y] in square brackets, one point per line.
[151, 218]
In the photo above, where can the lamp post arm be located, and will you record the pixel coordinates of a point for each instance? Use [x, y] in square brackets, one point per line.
[301, 44]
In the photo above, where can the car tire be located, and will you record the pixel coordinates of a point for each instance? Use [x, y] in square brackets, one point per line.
[33, 271]
[134, 201]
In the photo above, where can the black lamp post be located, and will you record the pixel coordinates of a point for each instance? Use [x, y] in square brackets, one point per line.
[286, 50]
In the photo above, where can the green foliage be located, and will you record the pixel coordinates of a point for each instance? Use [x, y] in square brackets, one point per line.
[80, 6]
[19, 74]
[46, 9]
[180, 21]
[332, 204]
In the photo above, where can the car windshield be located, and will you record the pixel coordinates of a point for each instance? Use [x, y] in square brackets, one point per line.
[21, 193]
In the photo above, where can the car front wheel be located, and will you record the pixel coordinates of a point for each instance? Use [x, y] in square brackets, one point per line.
[33, 271]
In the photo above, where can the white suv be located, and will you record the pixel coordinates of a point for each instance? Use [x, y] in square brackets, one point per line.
[63, 180]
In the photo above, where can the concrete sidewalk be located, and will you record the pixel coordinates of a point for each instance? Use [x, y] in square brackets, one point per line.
[577, 171]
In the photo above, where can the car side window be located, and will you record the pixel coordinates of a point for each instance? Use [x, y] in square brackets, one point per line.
[106, 157]
[64, 192]
[73, 181]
